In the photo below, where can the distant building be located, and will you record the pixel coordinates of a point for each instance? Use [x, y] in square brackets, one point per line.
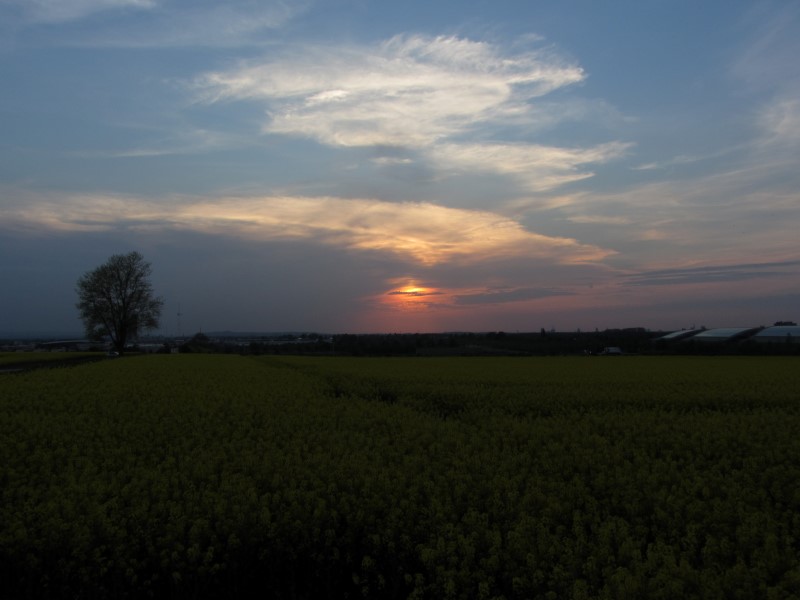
[66, 345]
[678, 335]
[778, 334]
[724, 334]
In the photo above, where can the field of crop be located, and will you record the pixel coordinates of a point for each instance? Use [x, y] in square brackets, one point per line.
[8, 359]
[199, 476]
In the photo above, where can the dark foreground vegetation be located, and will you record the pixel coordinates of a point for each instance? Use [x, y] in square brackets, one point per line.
[200, 476]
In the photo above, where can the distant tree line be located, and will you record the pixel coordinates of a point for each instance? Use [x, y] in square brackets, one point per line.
[498, 343]
[636, 340]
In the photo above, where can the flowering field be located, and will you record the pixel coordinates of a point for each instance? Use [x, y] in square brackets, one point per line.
[8, 359]
[195, 476]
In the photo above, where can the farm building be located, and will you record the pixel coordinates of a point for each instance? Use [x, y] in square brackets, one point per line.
[724, 334]
[783, 334]
[678, 335]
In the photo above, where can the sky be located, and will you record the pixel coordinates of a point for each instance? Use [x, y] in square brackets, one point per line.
[349, 166]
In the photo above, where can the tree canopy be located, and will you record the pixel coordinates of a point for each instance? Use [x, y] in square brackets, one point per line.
[116, 300]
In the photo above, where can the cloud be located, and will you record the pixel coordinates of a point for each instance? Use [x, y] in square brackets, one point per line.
[184, 141]
[538, 168]
[419, 232]
[158, 23]
[768, 61]
[434, 297]
[779, 121]
[410, 91]
[751, 208]
[57, 11]
[713, 273]
[505, 295]
[207, 24]
[414, 293]
[769, 67]
[686, 159]
[440, 96]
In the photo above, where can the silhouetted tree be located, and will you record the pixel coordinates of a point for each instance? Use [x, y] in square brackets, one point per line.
[116, 300]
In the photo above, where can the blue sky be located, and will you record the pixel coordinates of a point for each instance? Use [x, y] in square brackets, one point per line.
[350, 166]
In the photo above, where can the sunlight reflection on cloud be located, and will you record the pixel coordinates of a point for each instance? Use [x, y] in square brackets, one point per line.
[424, 233]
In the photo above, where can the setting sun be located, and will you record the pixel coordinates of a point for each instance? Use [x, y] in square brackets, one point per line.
[412, 290]
[413, 297]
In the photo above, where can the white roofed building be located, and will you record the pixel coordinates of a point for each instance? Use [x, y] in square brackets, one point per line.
[724, 334]
[778, 334]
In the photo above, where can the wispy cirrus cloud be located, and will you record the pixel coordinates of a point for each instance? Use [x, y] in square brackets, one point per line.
[708, 274]
[408, 91]
[505, 295]
[727, 216]
[687, 159]
[768, 66]
[538, 168]
[418, 232]
[205, 24]
[180, 142]
[160, 23]
[58, 11]
[465, 296]
[779, 121]
[442, 96]
[414, 293]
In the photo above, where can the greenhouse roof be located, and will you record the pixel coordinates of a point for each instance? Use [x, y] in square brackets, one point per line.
[722, 333]
[779, 332]
[675, 335]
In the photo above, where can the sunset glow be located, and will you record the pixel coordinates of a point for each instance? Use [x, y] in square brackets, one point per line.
[412, 297]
